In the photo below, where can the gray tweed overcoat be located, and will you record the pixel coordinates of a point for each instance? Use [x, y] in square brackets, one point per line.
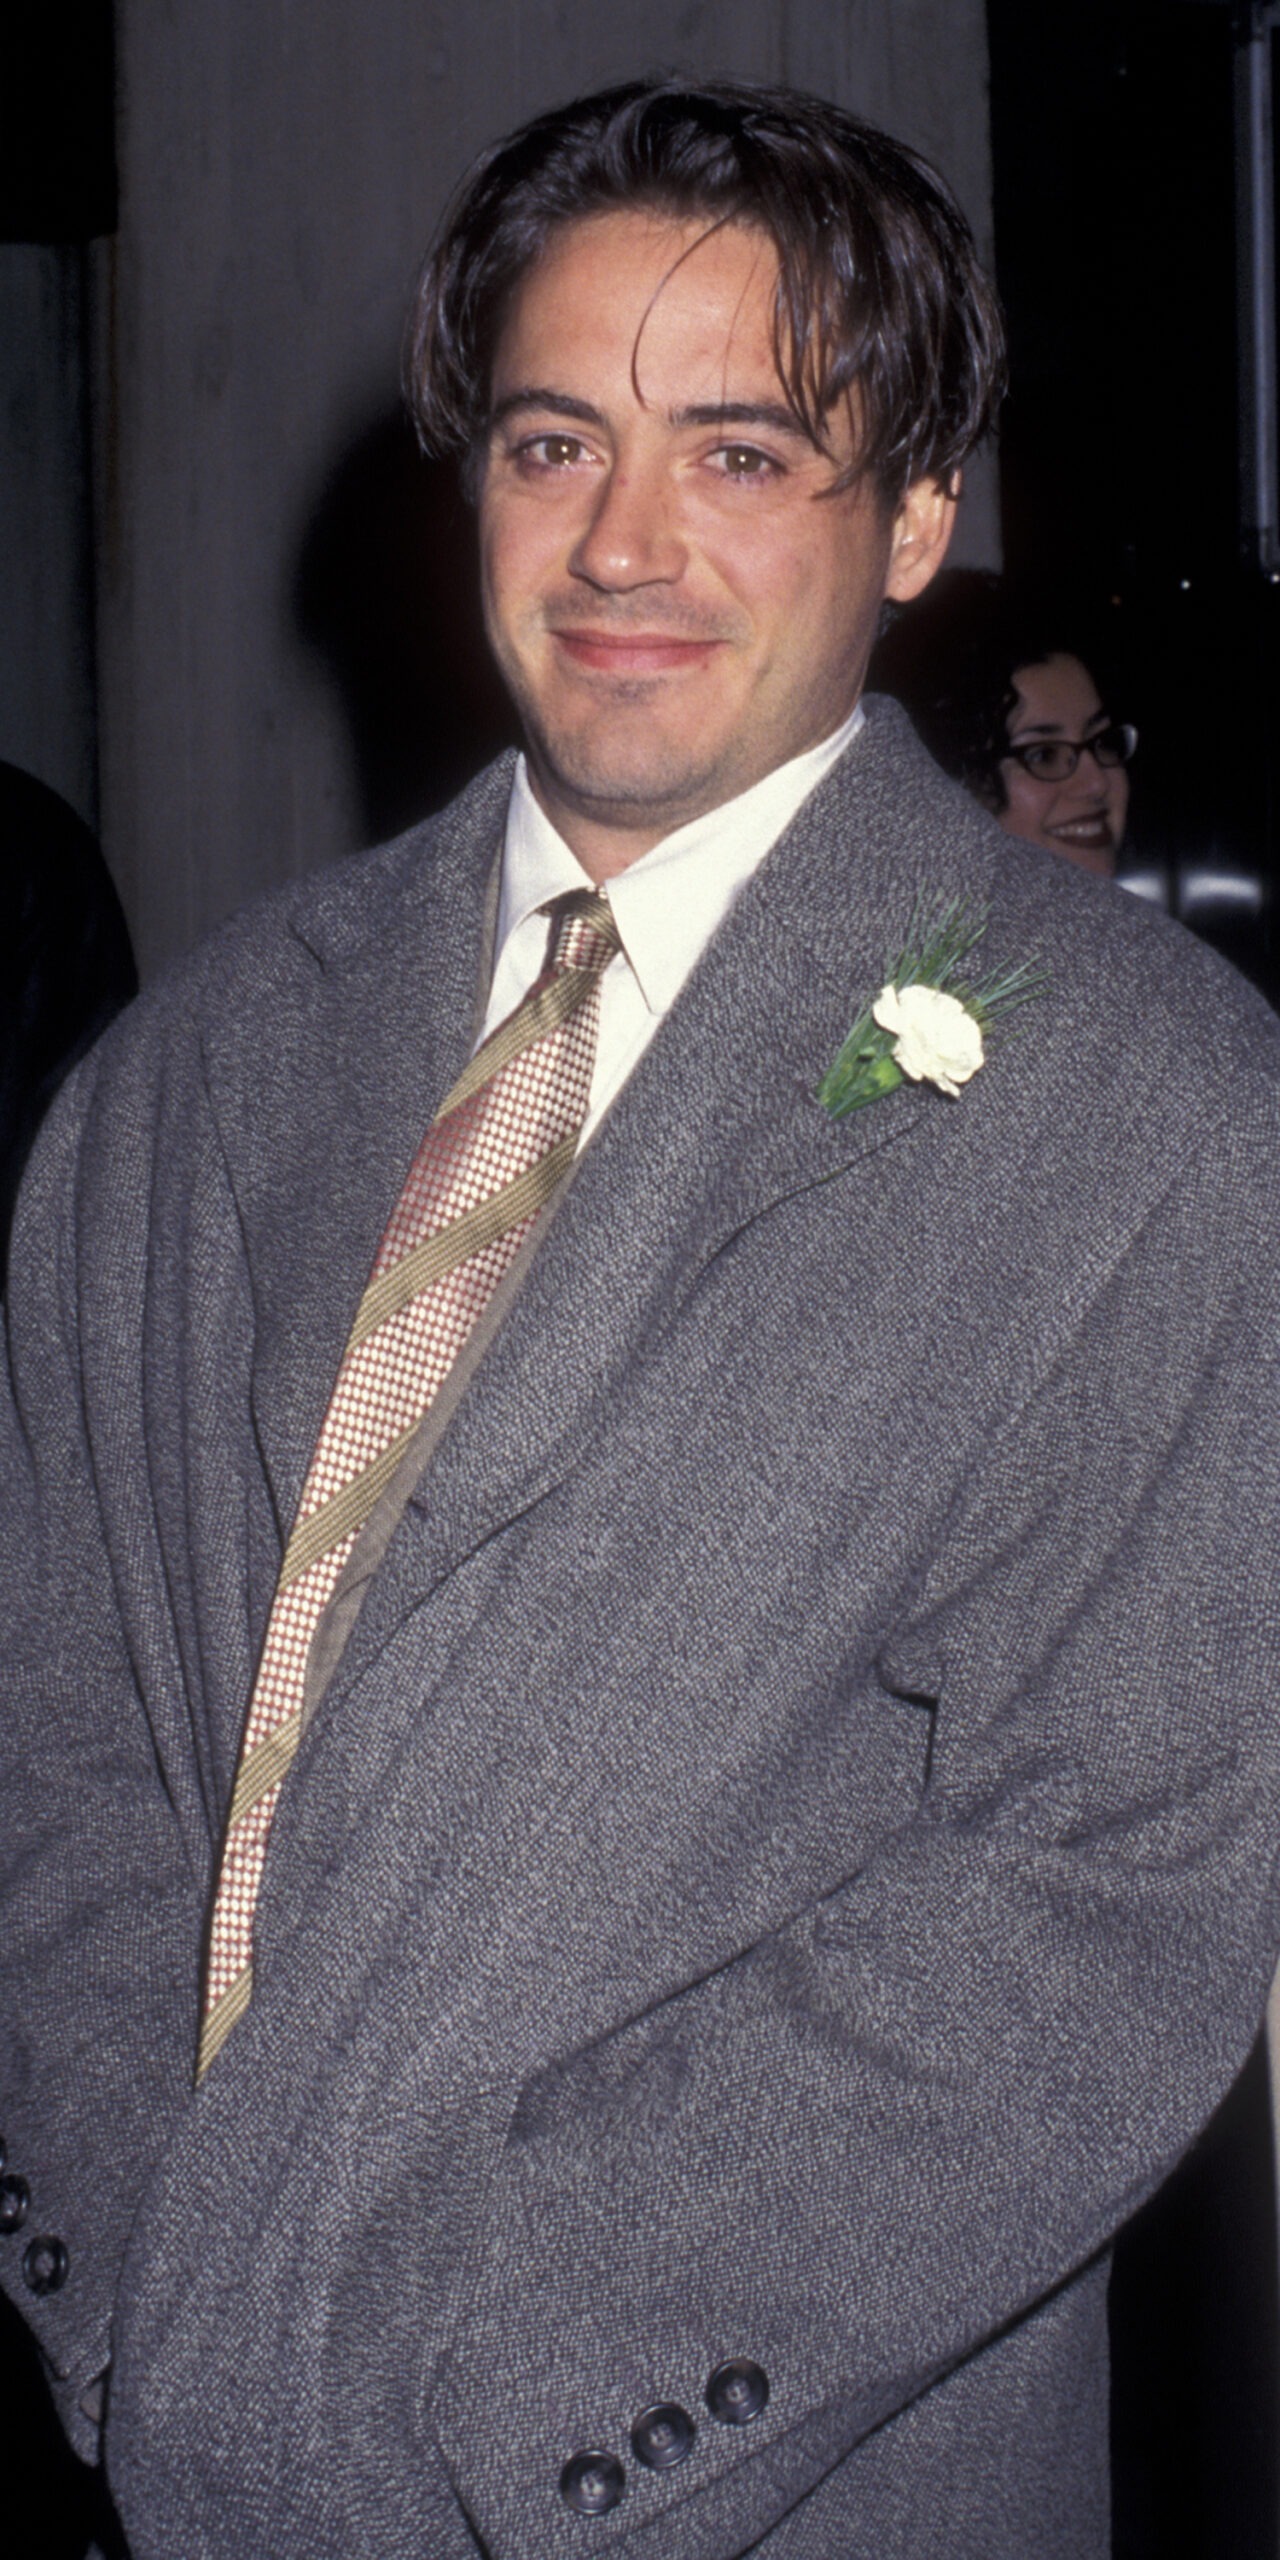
[785, 1860]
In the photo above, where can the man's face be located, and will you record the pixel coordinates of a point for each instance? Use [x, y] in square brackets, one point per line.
[675, 604]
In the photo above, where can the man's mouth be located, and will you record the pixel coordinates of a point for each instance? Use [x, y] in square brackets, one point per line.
[633, 653]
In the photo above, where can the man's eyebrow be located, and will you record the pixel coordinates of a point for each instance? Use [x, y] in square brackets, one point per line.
[532, 395]
[771, 415]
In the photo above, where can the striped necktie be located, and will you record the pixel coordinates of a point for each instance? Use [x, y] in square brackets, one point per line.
[500, 1145]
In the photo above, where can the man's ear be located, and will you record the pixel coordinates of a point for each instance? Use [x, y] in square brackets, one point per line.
[922, 529]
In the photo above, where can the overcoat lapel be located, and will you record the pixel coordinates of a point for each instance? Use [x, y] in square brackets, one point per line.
[374, 1018]
[718, 1124]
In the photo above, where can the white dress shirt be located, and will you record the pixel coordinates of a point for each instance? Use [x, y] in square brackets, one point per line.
[666, 905]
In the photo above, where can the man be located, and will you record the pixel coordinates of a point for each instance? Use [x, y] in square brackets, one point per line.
[751, 1848]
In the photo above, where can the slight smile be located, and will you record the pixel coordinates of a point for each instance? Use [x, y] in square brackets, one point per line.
[633, 653]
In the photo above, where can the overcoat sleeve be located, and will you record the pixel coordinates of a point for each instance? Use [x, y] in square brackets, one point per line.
[142, 1521]
[103, 1848]
[873, 2141]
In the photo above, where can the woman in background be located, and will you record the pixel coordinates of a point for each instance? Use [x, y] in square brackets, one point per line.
[1058, 776]
[1008, 704]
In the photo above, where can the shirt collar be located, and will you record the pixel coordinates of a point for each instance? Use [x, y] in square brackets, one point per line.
[668, 903]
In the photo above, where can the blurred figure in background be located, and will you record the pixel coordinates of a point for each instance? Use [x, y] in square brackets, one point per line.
[1061, 781]
[1014, 692]
[1011, 700]
[66, 966]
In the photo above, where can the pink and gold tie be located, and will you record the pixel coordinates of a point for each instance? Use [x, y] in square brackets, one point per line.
[497, 1149]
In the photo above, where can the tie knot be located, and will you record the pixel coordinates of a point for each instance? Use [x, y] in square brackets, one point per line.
[583, 932]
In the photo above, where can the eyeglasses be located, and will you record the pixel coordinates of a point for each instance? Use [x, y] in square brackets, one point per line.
[1055, 759]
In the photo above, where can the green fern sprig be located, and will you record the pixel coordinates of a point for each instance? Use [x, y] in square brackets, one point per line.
[933, 955]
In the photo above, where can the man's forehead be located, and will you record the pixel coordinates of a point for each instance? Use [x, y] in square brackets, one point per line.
[675, 310]
[656, 289]
[680, 228]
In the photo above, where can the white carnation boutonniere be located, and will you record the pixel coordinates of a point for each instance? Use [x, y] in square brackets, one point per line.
[930, 1022]
[936, 1040]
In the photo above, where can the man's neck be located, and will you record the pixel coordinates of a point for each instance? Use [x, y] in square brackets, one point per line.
[607, 840]
[603, 845]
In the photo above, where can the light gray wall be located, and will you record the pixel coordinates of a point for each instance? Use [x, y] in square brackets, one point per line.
[46, 653]
[282, 162]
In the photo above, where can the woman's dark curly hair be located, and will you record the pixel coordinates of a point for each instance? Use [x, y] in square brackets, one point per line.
[952, 658]
[879, 295]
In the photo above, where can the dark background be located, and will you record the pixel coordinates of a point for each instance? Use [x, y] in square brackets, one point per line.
[1114, 191]
[1114, 201]
[57, 120]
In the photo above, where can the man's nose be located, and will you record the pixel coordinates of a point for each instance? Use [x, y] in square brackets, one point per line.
[633, 538]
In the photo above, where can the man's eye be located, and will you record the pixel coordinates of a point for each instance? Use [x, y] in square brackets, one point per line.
[552, 453]
[744, 462]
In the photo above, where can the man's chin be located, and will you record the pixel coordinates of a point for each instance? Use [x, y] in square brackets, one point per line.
[637, 790]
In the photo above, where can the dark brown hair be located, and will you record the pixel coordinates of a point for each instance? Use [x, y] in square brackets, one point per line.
[879, 288]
